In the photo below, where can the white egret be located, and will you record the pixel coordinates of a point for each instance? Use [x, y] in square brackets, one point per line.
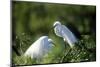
[39, 48]
[62, 31]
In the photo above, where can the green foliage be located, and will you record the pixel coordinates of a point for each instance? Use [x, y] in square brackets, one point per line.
[60, 54]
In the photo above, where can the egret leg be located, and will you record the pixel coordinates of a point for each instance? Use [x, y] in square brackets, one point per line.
[66, 52]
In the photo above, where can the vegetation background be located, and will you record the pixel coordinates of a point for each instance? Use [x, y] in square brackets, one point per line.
[31, 20]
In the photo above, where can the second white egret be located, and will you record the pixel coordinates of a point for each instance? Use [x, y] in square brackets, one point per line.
[39, 48]
[62, 31]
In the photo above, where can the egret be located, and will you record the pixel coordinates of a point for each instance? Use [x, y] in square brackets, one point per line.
[39, 48]
[63, 31]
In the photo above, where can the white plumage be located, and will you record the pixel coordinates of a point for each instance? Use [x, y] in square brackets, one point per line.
[65, 33]
[39, 48]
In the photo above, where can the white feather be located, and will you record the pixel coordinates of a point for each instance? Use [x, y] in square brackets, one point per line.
[39, 48]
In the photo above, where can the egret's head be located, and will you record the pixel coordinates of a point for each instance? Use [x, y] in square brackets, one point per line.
[51, 42]
[56, 24]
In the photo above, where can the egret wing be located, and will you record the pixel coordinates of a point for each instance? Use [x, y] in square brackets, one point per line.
[68, 35]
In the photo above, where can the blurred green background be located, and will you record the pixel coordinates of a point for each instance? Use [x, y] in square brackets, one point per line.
[31, 20]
